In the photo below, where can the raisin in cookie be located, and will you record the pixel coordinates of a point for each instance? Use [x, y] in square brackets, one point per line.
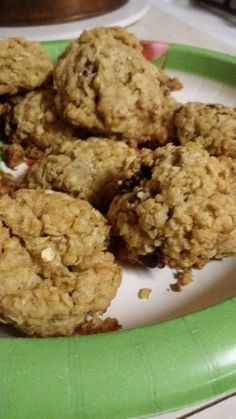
[176, 208]
[105, 84]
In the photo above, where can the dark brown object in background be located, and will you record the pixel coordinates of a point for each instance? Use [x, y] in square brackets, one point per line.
[41, 12]
[228, 6]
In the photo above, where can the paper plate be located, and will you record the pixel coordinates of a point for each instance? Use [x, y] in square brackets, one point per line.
[149, 369]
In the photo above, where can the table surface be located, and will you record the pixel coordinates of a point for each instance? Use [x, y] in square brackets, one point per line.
[165, 21]
[165, 24]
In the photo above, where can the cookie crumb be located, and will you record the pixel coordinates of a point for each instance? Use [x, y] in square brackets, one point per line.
[175, 287]
[183, 278]
[144, 293]
[97, 325]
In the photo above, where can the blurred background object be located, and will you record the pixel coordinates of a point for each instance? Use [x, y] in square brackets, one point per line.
[35, 12]
[198, 14]
[228, 6]
[190, 22]
[65, 19]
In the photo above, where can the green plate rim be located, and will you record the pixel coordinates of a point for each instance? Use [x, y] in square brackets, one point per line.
[210, 64]
[131, 373]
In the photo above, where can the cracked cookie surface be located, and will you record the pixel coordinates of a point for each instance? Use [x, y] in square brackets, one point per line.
[89, 169]
[176, 208]
[105, 84]
[7, 183]
[24, 65]
[33, 120]
[54, 267]
[213, 126]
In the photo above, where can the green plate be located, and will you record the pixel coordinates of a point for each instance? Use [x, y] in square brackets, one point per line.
[131, 373]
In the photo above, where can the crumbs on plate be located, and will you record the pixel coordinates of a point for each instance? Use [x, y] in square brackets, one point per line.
[133, 175]
[144, 293]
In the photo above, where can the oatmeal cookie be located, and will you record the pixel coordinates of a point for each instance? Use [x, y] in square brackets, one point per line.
[24, 65]
[54, 267]
[228, 247]
[33, 120]
[213, 126]
[104, 83]
[176, 208]
[89, 169]
[7, 183]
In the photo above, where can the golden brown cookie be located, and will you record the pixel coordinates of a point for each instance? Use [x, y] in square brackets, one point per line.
[54, 267]
[89, 169]
[213, 126]
[105, 84]
[228, 247]
[33, 120]
[24, 65]
[176, 208]
[7, 183]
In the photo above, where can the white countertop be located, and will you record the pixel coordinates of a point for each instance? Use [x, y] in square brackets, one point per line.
[181, 21]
